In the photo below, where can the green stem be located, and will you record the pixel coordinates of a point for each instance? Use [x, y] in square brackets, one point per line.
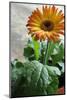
[46, 54]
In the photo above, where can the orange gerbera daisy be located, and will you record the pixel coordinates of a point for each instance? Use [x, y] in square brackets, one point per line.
[47, 23]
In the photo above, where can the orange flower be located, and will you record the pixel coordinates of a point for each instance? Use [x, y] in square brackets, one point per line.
[46, 23]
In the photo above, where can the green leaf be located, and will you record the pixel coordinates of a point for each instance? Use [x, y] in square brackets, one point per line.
[61, 64]
[29, 53]
[48, 51]
[32, 78]
[52, 88]
[53, 70]
[36, 49]
[50, 48]
[59, 55]
[32, 51]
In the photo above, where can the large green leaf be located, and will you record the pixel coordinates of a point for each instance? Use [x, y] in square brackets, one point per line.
[53, 72]
[33, 78]
[52, 88]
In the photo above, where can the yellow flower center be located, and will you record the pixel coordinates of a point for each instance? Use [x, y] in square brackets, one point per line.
[47, 25]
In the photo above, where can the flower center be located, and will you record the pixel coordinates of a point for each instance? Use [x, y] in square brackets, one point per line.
[47, 25]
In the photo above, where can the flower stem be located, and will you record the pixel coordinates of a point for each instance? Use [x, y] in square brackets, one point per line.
[46, 54]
